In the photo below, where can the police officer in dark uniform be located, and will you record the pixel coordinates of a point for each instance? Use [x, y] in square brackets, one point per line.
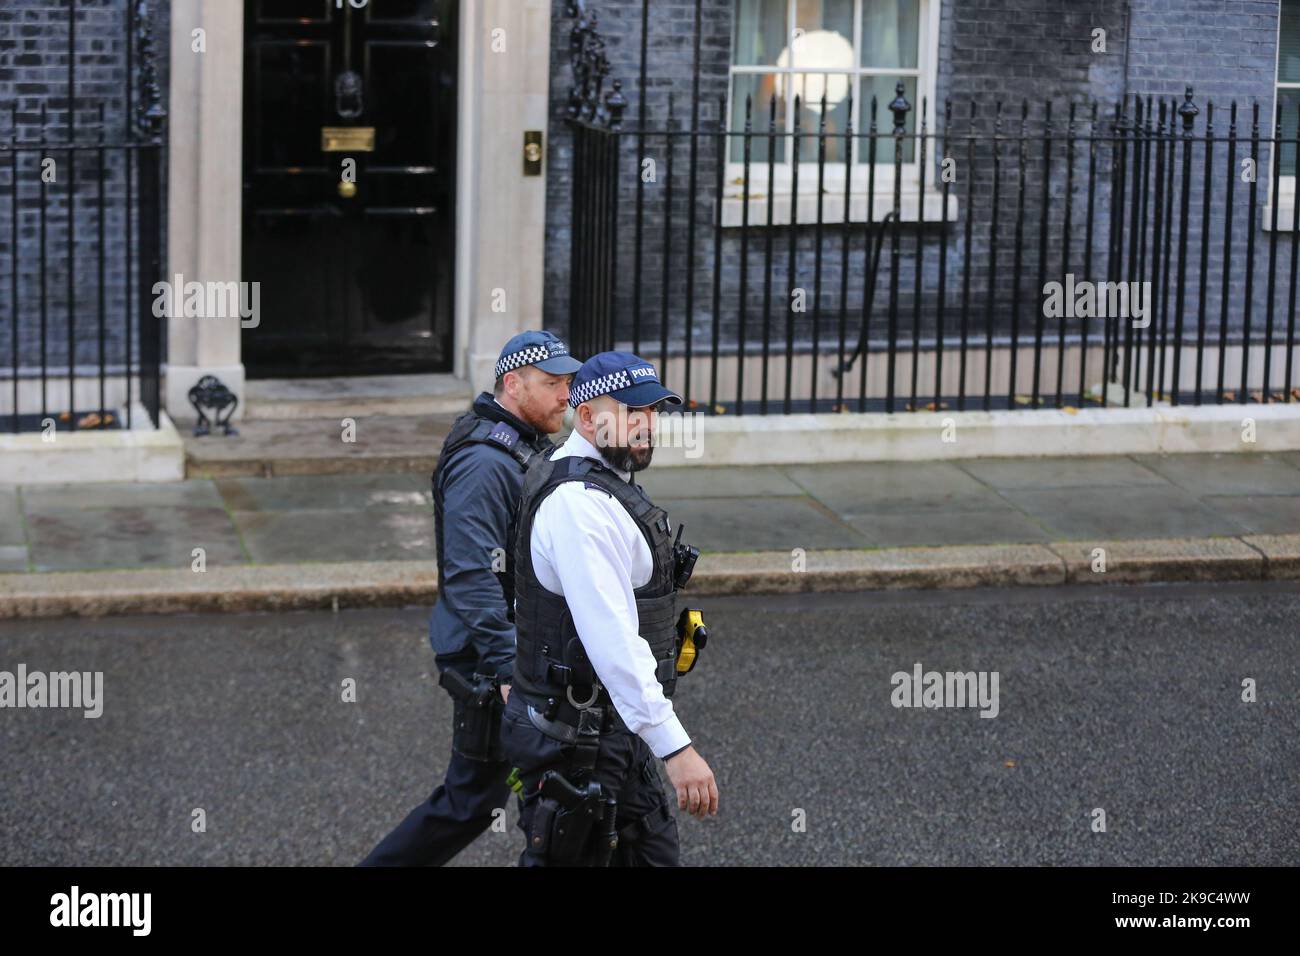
[599, 640]
[476, 489]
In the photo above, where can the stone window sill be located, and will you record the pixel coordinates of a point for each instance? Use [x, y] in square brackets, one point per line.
[1285, 217]
[733, 208]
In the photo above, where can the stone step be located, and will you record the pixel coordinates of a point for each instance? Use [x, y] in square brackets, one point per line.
[355, 397]
[316, 446]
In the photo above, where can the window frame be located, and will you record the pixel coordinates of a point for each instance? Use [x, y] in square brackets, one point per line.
[1286, 183]
[925, 71]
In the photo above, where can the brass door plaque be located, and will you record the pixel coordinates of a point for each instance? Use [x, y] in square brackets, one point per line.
[347, 139]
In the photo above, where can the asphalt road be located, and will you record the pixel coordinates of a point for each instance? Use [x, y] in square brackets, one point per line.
[1123, 699]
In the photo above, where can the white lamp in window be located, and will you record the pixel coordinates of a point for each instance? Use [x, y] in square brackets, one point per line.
[830, 51]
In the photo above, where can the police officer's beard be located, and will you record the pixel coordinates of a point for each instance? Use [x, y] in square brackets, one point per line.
[627, 458]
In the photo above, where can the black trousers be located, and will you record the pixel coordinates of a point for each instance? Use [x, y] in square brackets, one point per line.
[624, 766]
[456, 812]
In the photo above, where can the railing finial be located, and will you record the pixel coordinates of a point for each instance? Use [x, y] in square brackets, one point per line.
[1188, 111]
[587, 101]
[900, 108]
[149, 111]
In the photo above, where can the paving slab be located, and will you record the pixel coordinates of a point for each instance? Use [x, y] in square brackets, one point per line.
[134, 537]
[1263, 514]
[1121, 513]
[274, 537]
[77, 497]
[883, 487]
[1112, 472]
[903, 529]
[13, 557]
[761, 524]
[11, 520]
[1226, 474]
[325, 492]
[673, 483]
[384, 443]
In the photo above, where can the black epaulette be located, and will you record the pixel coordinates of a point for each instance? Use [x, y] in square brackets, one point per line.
[504, 436]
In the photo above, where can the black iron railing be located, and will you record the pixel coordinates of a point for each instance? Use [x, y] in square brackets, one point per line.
[80, 207]
[1005, 256]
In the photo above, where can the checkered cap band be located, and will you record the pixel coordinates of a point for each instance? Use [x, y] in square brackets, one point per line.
[528, 356]
[599, 386]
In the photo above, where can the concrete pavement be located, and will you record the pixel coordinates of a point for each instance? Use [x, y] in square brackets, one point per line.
[364, 539]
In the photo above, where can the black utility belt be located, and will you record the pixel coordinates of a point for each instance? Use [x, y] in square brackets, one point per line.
[561, 720]
[557, 673]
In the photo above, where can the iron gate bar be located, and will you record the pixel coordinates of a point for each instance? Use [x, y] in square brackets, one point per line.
[817, 244]
[767, 254]
[965, 278]
[1295, 262]
[844, 254]
[1019, 261]
[744, 260]
[1250, 248]
[792, 278]
[1272, 245]
[1042, 253]
[1171, 156]
[1161, 268]
[1087, 250]
[943, 262]
[869, 294]
[1067, 234]
[920, 259]
[993, 256]
[1227, 248]
[1205, 248]
[668, 240]
[691, 214]
[900, 108]
[722, 145]
[13, 245]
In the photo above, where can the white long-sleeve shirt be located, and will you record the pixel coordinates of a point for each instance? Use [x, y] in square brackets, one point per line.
[586, 547]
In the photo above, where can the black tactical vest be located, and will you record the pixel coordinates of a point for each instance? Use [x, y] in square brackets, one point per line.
[468, 429]
[549, 657]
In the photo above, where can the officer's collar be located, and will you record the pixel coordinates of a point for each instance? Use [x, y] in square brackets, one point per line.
[486, 406]
[580, 446]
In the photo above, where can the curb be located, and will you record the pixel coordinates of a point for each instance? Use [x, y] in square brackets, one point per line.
[297, 587]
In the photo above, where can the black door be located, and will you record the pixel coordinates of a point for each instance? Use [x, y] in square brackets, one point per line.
[355, 277]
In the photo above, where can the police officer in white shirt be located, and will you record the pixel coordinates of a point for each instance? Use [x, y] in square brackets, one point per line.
[596, 575]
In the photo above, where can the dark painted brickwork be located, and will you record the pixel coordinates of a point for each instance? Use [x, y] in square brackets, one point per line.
[989, 51]
[34, 72]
